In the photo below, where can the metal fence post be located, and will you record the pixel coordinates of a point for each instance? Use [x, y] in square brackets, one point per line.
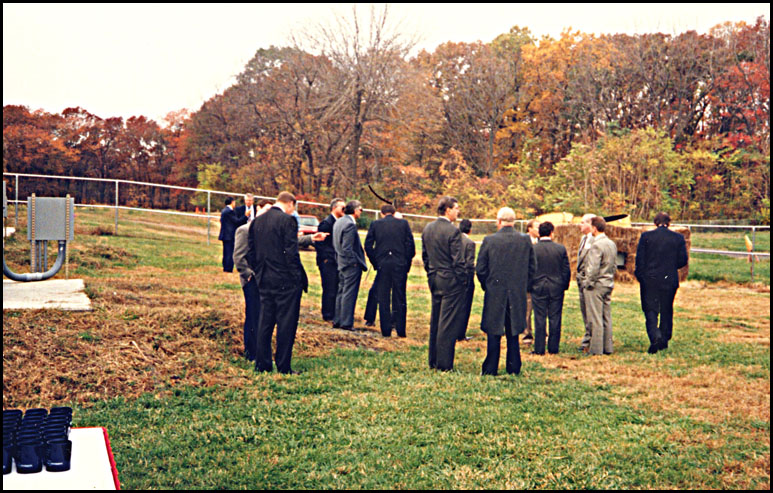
[754, 237]
[116, 207]
[209, 220]
[16, 202]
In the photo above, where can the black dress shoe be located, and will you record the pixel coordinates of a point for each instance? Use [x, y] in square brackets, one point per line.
[370, 324]
[350, 329]
[663, 344]
[535, 352]
[654, 347]
[336, 326]
[293, 372]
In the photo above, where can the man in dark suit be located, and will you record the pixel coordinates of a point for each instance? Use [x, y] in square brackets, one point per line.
[465, 226]
[659, 256]
[506, 266]
[273, 257]
[351, 264]
[249, 285]
[390, 248]
[550, 281]
[326, 260]
[247, 212]
[443, 257]
[229, 221]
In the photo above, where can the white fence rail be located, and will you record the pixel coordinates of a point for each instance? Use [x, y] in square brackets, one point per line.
[209, 216]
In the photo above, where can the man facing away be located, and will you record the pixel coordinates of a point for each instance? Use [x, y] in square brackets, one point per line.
[659, 256]
[229, 221]
[532, 229]
[550, 281]
[273, 257]
[390, 247]
[506, 267]
[351, 264]
[326, 260]
[597, 285]
[443, 258]
[582, 254]
[465, 226]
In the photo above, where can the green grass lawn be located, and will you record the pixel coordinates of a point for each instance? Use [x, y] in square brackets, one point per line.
[369, 415]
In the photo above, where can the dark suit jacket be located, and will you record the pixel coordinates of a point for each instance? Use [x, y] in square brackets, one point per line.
[553, 273]
[239, 210]
[443, 255]
[325, 249]
[273, 251]
[506, 266]
[390, 242]
[469, 254]
[229, 221]
[347, 244]
[660, 254]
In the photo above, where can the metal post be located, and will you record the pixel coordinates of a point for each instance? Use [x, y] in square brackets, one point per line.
[16, 191]
[116, 207]
[754, 237]
[209, 220]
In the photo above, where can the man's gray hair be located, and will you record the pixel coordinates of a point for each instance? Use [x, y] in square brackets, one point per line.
[506, 215]
[588, 217]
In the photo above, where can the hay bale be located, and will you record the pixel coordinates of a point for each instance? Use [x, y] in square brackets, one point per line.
[626, 240]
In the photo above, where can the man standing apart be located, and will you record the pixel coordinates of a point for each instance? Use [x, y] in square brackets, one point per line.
[443, 257]
[465, 226]
[326, 260]
[659, 256]
[582, 254]
[390, 248]
[229, 221]
[351, 264]
[506, 267]
[273, 257]
[532, 229]
[598, 284]
[550, 282]
[247, 212]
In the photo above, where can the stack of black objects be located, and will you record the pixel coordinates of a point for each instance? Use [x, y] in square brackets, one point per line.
[37, 438]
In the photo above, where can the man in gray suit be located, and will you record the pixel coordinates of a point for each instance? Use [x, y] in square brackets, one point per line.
[598, 284]
[506, 268]
[351, 263]
[443, 257]
[582, 254]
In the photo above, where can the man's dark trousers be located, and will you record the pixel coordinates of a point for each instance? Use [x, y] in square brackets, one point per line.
[658, 300]
[280, 306]
[348, 287]
[545, 307]
[371, 307]
[328, 270]
[468, 297]
[513, 355]
[228, 255]
[445, 322]
[251, 317]
[392, 312]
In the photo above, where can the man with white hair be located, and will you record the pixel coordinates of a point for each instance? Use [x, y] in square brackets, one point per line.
[585, 244]
[506, 267]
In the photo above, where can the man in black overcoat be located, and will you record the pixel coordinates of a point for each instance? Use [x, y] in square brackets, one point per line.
[550, 281]
[505, 268]
[326, 260]
[659, 256]
[390, 248]
[273, 257]
[443, 257]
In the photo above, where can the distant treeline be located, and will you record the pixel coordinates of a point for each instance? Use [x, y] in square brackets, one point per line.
[609, 124]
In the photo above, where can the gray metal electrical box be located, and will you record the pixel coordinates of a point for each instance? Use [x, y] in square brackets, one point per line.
[50, 218]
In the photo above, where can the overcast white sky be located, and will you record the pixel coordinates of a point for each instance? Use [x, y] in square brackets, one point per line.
[128, 60]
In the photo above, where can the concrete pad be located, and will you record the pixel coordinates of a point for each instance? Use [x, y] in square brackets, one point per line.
[60, 294]
[8, 232]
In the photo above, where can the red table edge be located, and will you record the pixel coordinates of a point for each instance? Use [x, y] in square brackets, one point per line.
[113, 467]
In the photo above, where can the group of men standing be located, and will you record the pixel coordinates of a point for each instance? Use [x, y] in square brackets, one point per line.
[511, 268]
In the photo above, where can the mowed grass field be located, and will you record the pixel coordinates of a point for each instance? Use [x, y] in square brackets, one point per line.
[158, 363]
